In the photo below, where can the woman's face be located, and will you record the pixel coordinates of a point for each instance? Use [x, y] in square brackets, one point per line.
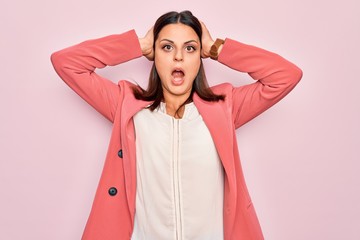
[177, 59]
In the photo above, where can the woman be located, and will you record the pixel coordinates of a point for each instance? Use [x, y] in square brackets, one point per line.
[173, 169]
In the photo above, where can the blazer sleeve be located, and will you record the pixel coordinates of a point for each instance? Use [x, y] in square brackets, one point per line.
[76, 66]
[275, 77]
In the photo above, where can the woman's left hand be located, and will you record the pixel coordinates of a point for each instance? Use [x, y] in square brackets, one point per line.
[207, 41]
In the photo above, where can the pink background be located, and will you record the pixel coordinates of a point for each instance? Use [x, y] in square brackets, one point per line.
[301, 157]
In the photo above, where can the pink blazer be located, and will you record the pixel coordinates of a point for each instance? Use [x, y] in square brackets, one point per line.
[113, 209]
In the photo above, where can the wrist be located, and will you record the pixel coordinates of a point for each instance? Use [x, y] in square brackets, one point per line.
[220, 48]
[146, 48]
[216, 48]
[143, 45]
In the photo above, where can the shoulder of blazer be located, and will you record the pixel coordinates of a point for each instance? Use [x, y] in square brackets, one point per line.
[129, 104]
[223, 88]
[127, 86]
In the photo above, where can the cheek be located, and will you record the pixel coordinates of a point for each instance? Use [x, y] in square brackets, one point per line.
[161, 66]
[194, 66]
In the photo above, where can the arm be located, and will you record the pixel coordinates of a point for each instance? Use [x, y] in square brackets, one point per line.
[275, 76]
[76, 66]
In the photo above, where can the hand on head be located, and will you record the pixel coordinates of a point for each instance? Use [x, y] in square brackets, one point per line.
[206, 40]
[146, 44]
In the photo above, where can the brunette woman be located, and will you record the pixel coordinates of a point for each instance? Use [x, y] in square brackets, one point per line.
[173, 169]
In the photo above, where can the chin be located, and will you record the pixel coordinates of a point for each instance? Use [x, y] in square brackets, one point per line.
[178, 91]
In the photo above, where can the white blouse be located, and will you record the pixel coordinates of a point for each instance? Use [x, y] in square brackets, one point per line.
[180, 178]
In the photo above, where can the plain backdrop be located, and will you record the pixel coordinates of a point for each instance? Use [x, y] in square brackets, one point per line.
[300, 158]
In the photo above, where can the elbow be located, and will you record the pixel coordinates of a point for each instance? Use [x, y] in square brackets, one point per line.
[298, 74]
[59, 62]
[59, 58]
[295, 75]
[55, 59]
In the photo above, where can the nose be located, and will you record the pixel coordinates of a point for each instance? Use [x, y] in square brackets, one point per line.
[178, 56]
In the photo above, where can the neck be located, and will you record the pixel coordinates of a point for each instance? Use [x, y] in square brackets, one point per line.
[174, 105]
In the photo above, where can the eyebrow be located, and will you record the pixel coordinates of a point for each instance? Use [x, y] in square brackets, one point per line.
[168, 40]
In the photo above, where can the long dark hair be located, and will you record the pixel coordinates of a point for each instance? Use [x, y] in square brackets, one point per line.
[154, 91]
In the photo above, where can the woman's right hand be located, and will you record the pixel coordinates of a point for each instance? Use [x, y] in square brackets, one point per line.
[146, 44]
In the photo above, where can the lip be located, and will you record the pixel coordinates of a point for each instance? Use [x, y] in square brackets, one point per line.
[178, 69]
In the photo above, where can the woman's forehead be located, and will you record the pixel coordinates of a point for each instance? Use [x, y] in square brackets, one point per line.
[178, 32]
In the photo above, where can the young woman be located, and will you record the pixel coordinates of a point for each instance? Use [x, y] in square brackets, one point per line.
[173, 169]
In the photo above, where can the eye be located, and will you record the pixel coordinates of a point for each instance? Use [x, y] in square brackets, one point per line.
[190, 48]
[167, 47]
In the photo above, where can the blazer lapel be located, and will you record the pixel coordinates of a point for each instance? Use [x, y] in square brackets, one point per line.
[220, 125]
[130, 107]
[216, 119]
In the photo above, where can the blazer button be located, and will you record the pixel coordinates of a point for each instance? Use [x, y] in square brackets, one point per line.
[112, 191]
[120, 153]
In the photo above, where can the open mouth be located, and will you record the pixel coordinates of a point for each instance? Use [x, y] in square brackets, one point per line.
[178, 76]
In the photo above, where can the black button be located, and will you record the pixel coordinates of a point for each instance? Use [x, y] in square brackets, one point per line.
[120, 154]
[112, 191]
